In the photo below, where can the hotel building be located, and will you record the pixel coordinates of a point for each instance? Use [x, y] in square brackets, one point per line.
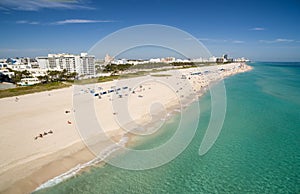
[82, 64]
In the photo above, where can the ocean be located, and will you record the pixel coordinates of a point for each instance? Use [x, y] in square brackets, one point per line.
[257, 151]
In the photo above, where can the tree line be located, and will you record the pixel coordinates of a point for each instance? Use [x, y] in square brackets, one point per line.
[116, 68]
[50, 76]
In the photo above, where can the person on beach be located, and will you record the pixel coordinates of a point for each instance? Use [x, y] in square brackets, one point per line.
[42, 135]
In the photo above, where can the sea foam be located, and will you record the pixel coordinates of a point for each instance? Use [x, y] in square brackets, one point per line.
[73, 171]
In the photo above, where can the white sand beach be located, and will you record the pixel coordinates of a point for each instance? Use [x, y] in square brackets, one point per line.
[39, 136]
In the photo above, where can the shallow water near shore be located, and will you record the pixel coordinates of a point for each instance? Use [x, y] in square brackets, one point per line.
[256, 152]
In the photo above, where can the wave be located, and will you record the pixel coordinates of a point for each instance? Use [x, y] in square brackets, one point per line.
[72, 172]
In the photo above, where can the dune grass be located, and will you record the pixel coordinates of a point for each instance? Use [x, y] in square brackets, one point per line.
[32, 89]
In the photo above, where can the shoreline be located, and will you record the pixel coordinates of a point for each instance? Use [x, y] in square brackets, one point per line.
[50, 166]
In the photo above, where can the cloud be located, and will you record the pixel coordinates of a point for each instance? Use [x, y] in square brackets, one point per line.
[3, 8]
[221, 40]
[278, 40]
[258, 29]
[80, 21]
[33, 23]
[238, 41]
[63, 22]
[212, 40]
[21, 22]
[283, 40]
[27, 22]
[35, 5]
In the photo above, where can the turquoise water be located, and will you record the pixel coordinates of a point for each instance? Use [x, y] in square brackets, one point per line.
[258, 150]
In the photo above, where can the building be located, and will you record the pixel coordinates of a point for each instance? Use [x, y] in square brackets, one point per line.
[224, 59]
[168, 60]
[43, 62]
[87, 64]
[6, 72]
[69, 62]
[156, 60]
[82, 64]
[108, 59]
[3, 65]
[120, 61]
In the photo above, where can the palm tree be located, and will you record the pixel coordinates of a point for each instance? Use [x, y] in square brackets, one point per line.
[54, 75]
[73, 75]
[43, 79]
[63, 75]
[25, 74]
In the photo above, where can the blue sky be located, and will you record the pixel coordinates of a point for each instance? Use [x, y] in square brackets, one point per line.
[256, 29]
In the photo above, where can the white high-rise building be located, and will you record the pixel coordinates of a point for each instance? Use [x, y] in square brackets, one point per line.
[82, 64]
[87, 64]
[43, 62]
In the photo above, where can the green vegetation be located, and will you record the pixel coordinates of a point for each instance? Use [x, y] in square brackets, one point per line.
[51, 76]
[98, 68]
[86, 81]
[111, 78]
[54, 76]
[142, 69]
[136, 74]
[160, 75]
[52, 80]
[96, 80]
[114, 68]
[19, 75]
[108, 78]
[152, 65]
[184, 64]
[32, 89]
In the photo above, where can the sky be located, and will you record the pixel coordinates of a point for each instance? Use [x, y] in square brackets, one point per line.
[260, 30]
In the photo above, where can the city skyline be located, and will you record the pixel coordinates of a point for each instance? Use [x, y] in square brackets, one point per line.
[260, 31]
